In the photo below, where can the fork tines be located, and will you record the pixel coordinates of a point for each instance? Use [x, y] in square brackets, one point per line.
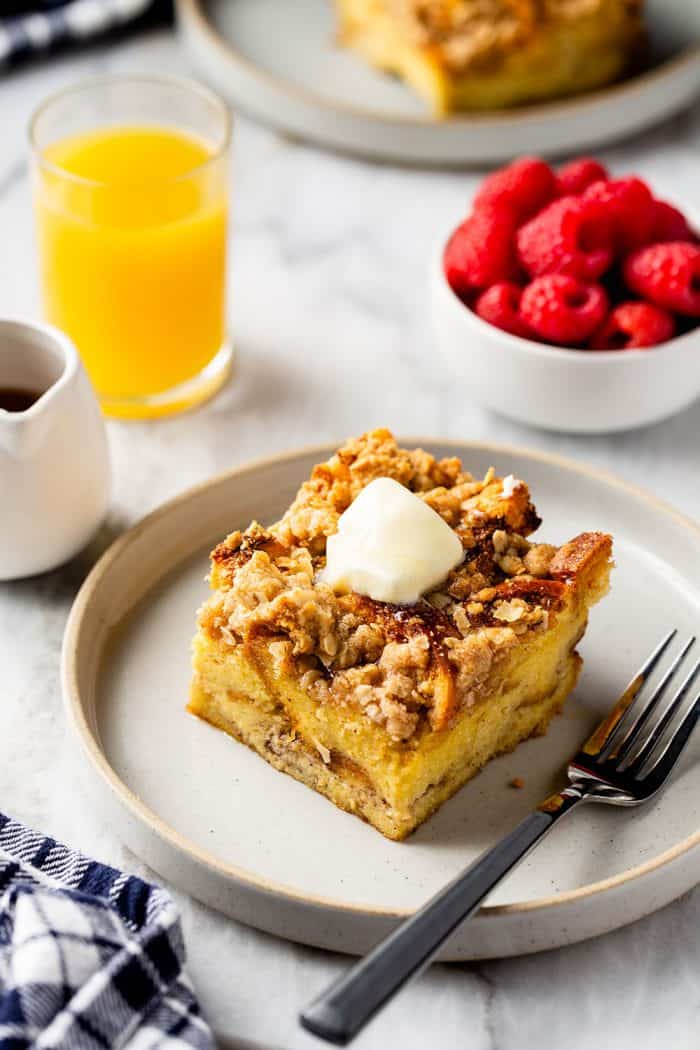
[646, 731]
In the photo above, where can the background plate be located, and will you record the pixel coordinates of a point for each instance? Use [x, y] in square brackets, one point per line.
[278, 61]
[218, 822]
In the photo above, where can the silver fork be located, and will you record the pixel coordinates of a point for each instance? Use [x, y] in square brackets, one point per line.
[625, 762]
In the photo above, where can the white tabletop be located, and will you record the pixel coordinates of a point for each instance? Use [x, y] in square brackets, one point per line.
[329, 313]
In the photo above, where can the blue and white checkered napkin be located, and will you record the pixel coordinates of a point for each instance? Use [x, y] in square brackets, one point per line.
[90, 958]
[32, 27]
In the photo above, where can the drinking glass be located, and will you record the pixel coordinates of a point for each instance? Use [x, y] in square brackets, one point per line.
[130, 198]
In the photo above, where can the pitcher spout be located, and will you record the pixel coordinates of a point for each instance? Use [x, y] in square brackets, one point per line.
[38, 361]
[15, 434]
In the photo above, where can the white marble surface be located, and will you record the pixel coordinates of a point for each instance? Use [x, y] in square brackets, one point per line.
[328, 307]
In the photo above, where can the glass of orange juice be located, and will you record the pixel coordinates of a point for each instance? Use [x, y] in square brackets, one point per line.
[130, 193]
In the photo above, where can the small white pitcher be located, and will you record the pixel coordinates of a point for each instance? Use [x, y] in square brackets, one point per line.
[54, 462]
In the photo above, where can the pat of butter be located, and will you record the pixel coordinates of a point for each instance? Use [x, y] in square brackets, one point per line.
[510, 484]
[390, 545]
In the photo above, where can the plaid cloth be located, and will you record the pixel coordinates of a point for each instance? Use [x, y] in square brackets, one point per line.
[90, 958]
[32, 27]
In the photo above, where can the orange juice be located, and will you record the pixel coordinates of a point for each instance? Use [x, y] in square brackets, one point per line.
[132, 235]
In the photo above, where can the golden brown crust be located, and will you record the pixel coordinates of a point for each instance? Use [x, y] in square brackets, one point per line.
[580, 555]
[404, 666]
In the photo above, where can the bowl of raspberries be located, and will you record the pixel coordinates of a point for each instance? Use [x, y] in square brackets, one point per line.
[570, 299]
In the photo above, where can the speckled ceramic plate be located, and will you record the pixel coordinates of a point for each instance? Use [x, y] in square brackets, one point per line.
[278, 61]
[215, 820]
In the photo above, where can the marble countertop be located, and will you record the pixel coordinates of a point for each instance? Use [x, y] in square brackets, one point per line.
[329, 313]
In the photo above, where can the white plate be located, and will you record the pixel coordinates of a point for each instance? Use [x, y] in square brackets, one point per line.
[278, 61]
[218, 822]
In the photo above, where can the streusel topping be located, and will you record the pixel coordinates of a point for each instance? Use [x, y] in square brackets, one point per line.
[404, 666]
[475, 33]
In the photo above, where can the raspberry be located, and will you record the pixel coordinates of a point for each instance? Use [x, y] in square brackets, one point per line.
[562, 310]
[499, 306]
[573, 178]
[569, 236]
[481, 251]
[670, 224]
[630, 209]
[526, 185]
[668, 275]
[634, 325]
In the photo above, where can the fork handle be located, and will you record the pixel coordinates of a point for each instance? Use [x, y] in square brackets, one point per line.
[341, 1011]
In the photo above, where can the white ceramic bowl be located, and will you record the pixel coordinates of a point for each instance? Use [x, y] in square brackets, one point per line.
[557, 389]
